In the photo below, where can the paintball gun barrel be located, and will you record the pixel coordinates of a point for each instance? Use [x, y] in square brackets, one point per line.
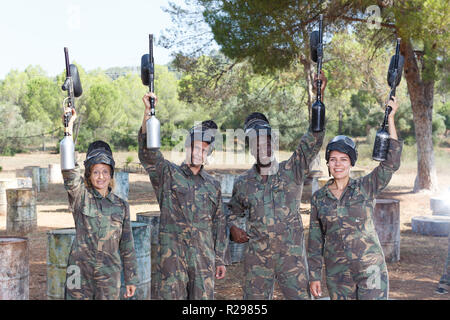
[394, 76]
[316, 48]
[153, 125]
[72, 85]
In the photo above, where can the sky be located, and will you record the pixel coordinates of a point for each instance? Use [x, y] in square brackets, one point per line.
[98, 33]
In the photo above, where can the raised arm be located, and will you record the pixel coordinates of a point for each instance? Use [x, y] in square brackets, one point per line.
[73, 182]
[379, 178]
[308, 147]
[151, 159]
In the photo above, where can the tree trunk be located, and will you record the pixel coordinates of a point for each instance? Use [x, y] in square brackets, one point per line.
[421, 95]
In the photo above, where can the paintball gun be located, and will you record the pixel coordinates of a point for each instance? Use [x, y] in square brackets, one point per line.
[394, 76]
[153, 125]
[316, 48]
[73, 87]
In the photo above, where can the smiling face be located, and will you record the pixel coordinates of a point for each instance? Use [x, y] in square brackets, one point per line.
[339, 164]
[199, 153]
[100, 177]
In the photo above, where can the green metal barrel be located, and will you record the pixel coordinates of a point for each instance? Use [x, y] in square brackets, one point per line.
[141, 236]
[152, 219]
[58, 250]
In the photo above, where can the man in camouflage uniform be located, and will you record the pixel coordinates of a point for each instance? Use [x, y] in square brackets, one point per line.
[192, 232]
[271, 192]
[104, 240]
[342, 229]
[444, 283]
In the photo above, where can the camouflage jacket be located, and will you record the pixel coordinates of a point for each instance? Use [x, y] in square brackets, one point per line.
[104, 237]
[273, 207]
[344, 227]
[190, 205]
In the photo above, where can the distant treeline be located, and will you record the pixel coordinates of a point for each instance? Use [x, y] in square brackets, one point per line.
[195, 89]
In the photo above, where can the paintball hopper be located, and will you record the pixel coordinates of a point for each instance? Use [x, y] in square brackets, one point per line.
[391, 72]
[314, 40]
[77, 89]
[146, 69]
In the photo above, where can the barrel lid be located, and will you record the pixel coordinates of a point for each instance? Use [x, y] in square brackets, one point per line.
[7, 240]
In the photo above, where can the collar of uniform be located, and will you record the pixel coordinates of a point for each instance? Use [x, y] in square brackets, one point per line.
[97, 194]
[187, 171]
[351, 184]
[274, 167]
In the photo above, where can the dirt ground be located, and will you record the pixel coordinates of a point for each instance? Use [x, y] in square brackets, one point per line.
[421, 263]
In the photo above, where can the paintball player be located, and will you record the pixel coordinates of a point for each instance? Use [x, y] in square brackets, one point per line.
[192, 232]
[104, 240]
[342, 232]
[271, 192]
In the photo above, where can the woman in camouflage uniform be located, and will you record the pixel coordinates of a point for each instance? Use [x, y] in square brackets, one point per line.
[342, 231]
[104, 240]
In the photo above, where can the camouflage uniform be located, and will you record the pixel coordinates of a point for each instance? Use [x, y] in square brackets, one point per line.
[343, 232]
[103, 242]
[276, 248]
[192, 232]
[445, 279]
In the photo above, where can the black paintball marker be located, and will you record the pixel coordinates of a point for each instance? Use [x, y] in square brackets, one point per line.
[316, 48]
[148, 78]
[394, 76]
[72, 85]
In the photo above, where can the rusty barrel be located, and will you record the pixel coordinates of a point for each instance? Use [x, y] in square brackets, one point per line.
[152, 219]
[386, 217]
[43, 179]
[21, 212]
[121, 184]
[14, 268]
[236, 250]
[59, 244]
[141, 236]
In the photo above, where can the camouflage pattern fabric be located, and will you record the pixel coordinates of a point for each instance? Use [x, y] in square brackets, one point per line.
[342, 232]
[445, 279]
[276, 248]
[192, 232]
[103, 244]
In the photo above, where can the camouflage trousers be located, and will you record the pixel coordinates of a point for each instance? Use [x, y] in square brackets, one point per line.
[184, 273]
[445, 279]
[358, 279]
[264, 265]
[92, 284]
